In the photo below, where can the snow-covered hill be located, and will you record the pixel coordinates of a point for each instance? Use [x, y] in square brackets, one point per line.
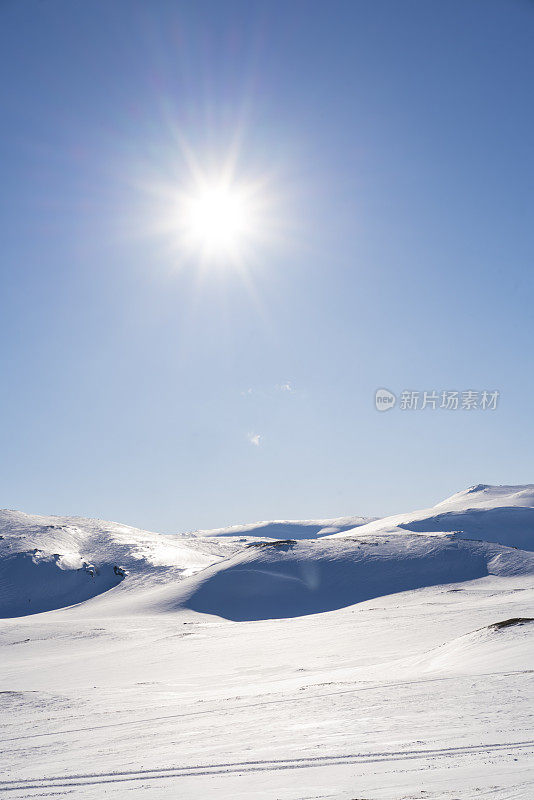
[390, 660]
[289, 580]
[52, 562]
[503, 514]
[289, 529]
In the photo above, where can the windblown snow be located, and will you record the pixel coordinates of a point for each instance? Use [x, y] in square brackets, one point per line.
[385, 659]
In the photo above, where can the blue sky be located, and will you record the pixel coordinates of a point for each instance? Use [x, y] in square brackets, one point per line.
[394, 141]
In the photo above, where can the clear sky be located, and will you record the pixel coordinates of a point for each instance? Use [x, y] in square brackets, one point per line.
[392, 146]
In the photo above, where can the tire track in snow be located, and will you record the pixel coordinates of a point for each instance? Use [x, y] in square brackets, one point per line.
[164, 773]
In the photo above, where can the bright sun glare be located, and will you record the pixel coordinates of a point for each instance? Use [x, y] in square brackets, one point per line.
[218, 219]
[215, 216]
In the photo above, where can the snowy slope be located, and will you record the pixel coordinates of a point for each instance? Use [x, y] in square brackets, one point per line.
[51, 562]
[290, 580]
[289, 529]
[54, 562]
[503, 514]
[385, 663]
[356, 703]
[507, 644]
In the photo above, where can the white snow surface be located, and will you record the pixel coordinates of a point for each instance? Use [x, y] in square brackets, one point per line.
[503, 514]
[51, 562]
[371, 664]
[290, 529]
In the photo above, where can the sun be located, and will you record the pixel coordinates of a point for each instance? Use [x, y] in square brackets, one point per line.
[218, 219]
[216, 213]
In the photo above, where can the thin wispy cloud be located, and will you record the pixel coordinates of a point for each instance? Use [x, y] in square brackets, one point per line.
[268, 391]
